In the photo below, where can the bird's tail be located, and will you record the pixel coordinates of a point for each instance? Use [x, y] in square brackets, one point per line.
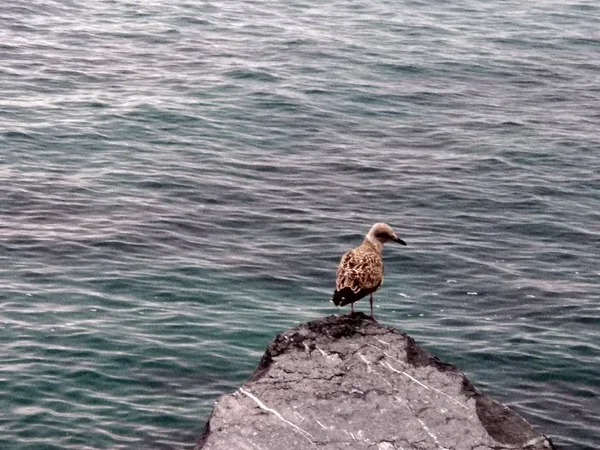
[343, 297]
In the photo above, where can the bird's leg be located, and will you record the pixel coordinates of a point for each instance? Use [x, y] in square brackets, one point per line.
[371, 302]
[351, 308]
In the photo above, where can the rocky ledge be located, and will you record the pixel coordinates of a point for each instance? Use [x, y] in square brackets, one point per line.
[350, 383]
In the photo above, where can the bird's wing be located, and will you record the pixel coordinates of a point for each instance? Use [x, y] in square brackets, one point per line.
[360, 271]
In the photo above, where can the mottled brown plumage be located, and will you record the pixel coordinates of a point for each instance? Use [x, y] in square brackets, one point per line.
[360, 272]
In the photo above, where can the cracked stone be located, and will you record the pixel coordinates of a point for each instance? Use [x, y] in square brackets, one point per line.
[347, 382]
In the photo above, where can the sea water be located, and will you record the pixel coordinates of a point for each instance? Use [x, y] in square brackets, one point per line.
[179, 179]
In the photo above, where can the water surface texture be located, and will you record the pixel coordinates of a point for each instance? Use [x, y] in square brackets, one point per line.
[178, 180]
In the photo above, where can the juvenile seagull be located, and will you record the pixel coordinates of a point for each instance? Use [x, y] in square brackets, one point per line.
[360, 272]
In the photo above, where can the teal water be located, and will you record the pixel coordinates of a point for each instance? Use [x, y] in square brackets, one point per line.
[179, 179]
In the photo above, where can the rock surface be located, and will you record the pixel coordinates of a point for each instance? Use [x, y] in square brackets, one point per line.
[349, 383]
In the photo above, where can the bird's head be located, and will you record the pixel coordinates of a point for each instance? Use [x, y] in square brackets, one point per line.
[382, 233]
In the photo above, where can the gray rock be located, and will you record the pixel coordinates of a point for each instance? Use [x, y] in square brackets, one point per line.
[349, 383]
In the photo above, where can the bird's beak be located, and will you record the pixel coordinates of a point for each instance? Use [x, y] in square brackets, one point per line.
[399, 241]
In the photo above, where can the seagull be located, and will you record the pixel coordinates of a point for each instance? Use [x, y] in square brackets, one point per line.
[360, 272]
